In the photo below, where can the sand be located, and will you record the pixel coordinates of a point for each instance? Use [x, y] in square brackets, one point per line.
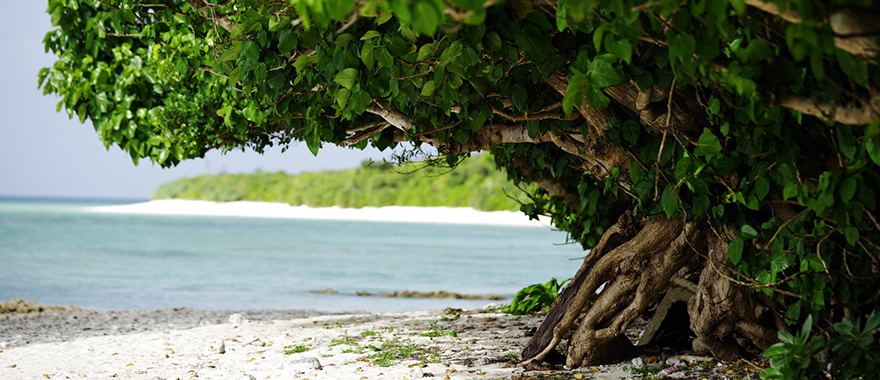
[193, 344]
[439, 344]
[445, 215]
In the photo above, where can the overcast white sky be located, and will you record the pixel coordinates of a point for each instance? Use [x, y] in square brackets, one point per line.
[45, 154]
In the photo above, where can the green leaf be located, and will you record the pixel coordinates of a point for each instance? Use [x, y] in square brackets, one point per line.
[790, 190]
[681, 46]
[776, 350]
[700, 204]
[873, 148]
[748, 232]
[383, 18]
[596, 98]
[848, 188]
[367, 57]
[846, 142]
[342, 97]
[622, 49]
[535, 43]
[603, 74]
[346, 78]
[313, 141]
[427, 17]
[251, 52]
[384, 57]
[428, 89]
[852, 234]
[669, 201]
[359, 101]
[232, 52]
[287, 41]
[708, 144]
[425, 51]
[450, 53]
[574, 95]
[762, 187]
[735, 250]
[370, 34]
[630, 130]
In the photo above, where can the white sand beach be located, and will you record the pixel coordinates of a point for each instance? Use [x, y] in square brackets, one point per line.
[444, 215]
[466, 345]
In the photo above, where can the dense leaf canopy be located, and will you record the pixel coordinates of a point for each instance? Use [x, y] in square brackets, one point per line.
[755, 120]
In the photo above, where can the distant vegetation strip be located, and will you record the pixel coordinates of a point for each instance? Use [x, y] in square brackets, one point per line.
[476, 183]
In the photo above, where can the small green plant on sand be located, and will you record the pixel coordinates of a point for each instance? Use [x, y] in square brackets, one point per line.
[296, 349]
[435, 332]
[393, 351]
[344, 339]
[534, 298]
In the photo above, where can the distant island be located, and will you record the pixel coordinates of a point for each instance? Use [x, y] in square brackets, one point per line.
[475, 183]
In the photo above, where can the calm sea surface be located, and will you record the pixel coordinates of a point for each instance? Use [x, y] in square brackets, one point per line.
[53, 252]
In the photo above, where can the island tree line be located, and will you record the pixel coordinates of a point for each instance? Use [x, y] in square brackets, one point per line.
[729, 148]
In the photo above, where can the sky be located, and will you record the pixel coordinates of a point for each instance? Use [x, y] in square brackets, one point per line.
[45, 154]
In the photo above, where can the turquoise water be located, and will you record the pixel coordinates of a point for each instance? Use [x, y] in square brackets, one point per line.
[53, 252]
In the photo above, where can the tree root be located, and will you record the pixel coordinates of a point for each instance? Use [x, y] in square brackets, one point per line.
[719, 309]
[637, 261]
[635, 268]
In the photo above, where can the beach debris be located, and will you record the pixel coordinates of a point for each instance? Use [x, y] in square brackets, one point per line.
[439, 294]
[670, 370]
[415, 373]
[638, 362]
[222, 348]
[303, 364]
[236, 319]
[246, 376]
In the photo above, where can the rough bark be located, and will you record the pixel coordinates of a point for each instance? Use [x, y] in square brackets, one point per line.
[834, 111]
[568, 306]
[720, 309]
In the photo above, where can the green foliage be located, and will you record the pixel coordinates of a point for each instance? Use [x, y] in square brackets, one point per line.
[853, 354]
[759, 127]
[534, 298]
[393, 351]
[296, 349]
[475, 182]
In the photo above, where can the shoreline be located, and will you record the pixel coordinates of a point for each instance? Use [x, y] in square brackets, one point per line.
[393, 214]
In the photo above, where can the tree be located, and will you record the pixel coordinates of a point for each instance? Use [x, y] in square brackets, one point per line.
[730, 148]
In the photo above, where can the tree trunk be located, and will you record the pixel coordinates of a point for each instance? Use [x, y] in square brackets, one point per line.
[638, 260]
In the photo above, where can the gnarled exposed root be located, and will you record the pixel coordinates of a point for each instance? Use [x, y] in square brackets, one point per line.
[646, 266]
[635, 268]
[719, 309]
[638, 260]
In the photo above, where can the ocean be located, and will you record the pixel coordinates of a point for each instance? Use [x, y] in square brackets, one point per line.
[53, 252]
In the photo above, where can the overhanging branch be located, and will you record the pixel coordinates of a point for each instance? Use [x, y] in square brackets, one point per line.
[833, 111]
[854, 31]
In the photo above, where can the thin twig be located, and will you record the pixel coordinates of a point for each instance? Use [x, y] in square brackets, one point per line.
[419, 74]
[351, 21]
